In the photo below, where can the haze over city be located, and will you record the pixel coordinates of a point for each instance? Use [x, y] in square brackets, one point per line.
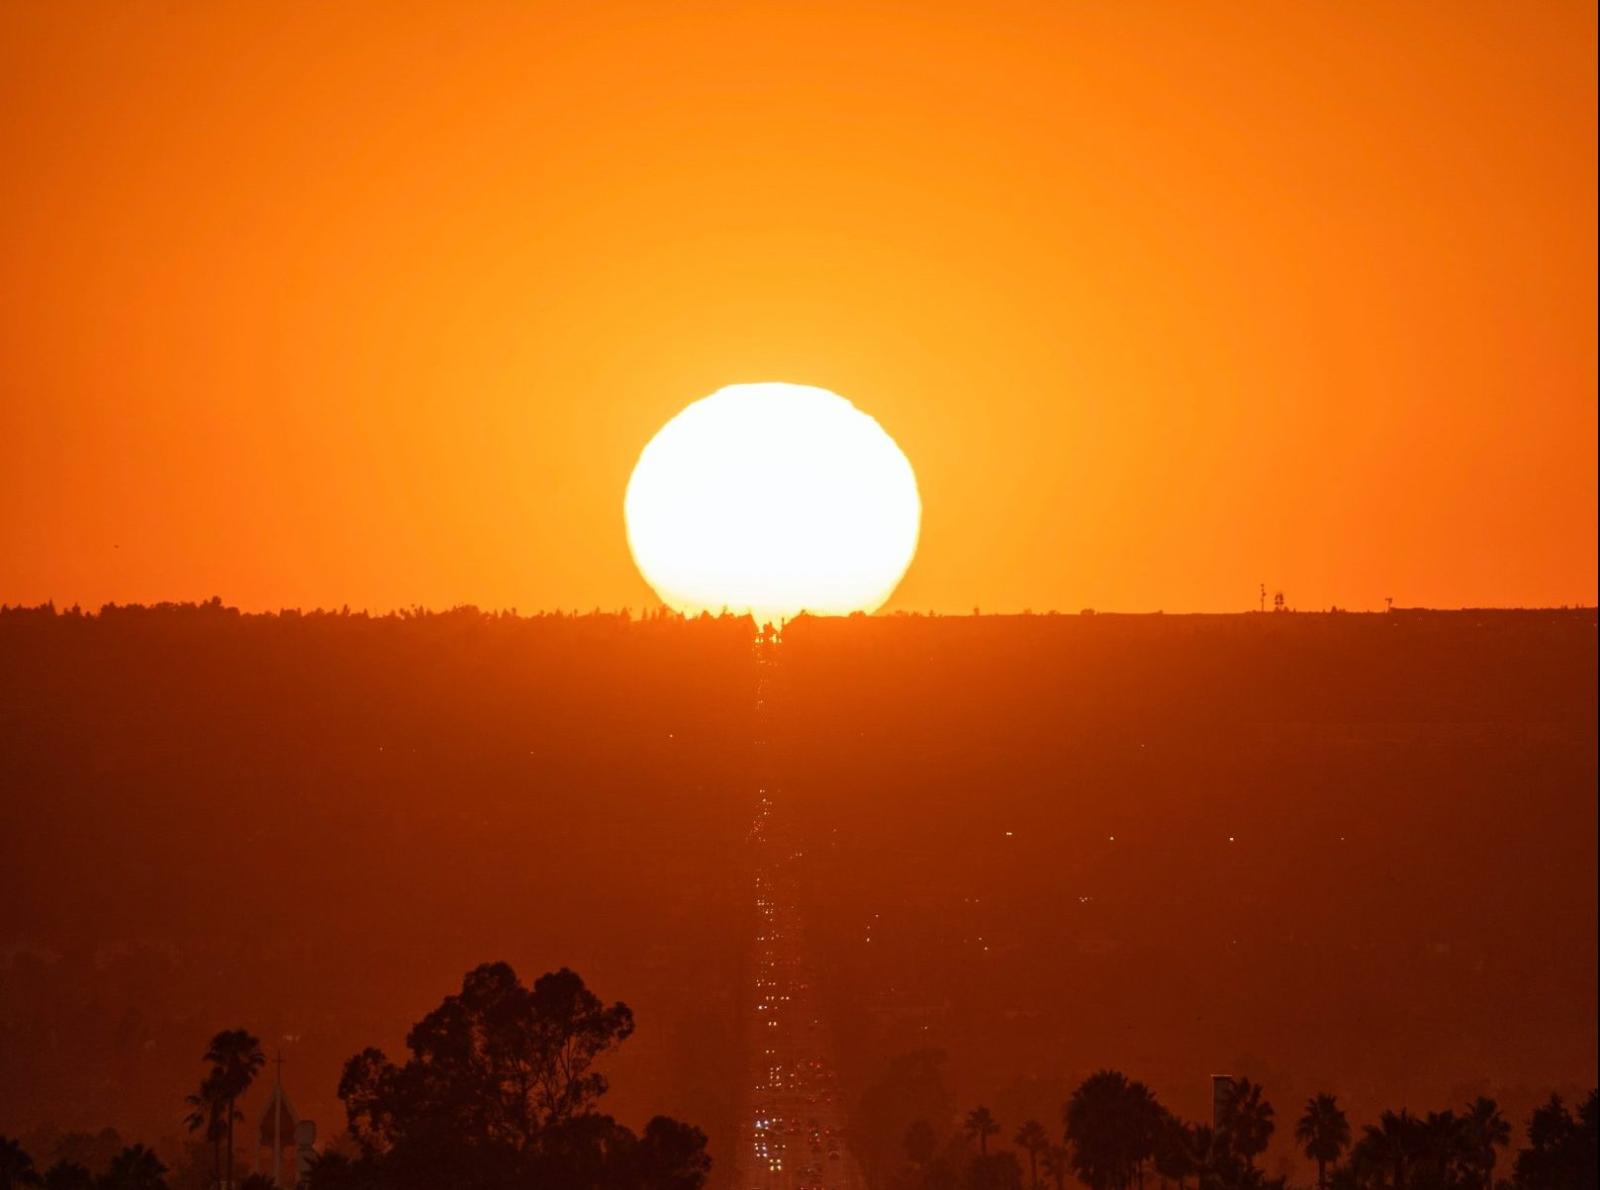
[639, 596]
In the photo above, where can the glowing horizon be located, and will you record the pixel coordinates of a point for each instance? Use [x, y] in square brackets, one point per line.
[1164, 303]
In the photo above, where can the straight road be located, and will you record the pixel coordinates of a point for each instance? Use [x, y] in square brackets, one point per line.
[792, 1128]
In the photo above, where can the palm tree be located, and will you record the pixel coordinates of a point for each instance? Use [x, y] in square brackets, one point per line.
[1247, 1122]
[1111, 1126]
[981, 1125]
[16, 1167]
[1325, 1132]
[208, 1109]
[236, 1058]
[67, 1175]
[1393, 1142]
[1175, 1150]
[1032, 1139]
[1444, 1149]
[1484, 1130]
[1057, 1165]
[1148, 1118]
[135, 1168]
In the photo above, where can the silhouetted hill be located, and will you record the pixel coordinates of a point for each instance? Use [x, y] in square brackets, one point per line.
[1353, 852]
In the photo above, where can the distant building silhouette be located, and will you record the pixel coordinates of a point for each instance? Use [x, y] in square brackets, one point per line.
[1221, 1094]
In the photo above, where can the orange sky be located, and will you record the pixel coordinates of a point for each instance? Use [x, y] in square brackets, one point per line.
[376, 304]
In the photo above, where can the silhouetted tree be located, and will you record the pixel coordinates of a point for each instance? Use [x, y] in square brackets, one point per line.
[1247, 1121]
[498, 1061]
[1057, 1164]
[1485, 1130]
[980, 1124]
[1213, 1165]
[209, 1111]
[92, 1150]
[1148, 1118]
[339, 1171]
[670, 1155]
[1174, 1155]
[1033, 1140]
[1349, 1176]
[500, 1092]
[1562, 1149]
[1587, 1141]
[1445, 1152]
[236, 1058]
[1111, 1124]
[1324, 1130]
[911, 1088]
[68, 1175]
[135, 1168]
[1391, 1146]
[16, 1167]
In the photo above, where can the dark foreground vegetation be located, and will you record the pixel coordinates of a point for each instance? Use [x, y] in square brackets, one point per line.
[1113, 1134]
[499, 1091]
[1353, 852]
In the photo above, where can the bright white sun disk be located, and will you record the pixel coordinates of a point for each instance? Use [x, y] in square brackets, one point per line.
[773, 499]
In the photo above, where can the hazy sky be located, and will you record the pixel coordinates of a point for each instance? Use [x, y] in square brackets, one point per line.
[377, 304]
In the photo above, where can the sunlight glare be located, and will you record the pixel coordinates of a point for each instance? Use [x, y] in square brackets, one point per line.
[773, 499]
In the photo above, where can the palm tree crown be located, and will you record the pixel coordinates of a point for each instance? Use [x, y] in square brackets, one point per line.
[1248, 1120]
[981, 1126]
[1325, 1132]
[1393, 1143]
[1112, 1125]
[1178, 1149]
[1032, 1139]
[236, 1058]
[1484, 1130]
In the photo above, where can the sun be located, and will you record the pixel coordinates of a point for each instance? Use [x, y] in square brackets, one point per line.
[773, 499]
